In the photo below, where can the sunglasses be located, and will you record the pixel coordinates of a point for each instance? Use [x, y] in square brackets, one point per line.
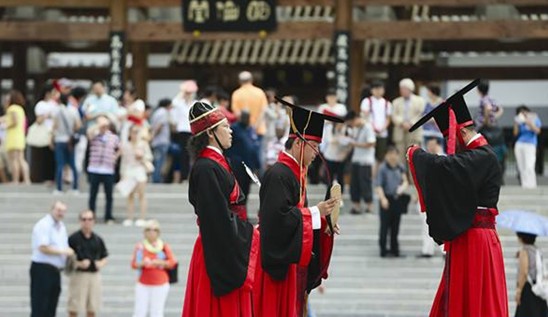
[87, 219]
[152, 229]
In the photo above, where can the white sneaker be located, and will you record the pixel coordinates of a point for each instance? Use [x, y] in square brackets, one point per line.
[75, 192]
[140, 222]
[127, 223]
[57, 193]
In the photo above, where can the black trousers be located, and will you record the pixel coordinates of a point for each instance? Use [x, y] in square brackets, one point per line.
[361, 186]
[390, 221]
[45, 288]
[337, 172]
[42, 164]
[108, 182]
[182, 140]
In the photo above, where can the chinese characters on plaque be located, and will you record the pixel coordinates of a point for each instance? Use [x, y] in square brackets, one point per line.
[230, 15]
[342, 66]
[117, 64]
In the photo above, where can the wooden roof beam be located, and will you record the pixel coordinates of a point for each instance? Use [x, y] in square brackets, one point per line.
[173, 31]
[177, 3]
[57, 3]
[53, 31]
[474, 30]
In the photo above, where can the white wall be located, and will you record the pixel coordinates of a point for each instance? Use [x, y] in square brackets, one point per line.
[159, 89]
[508, 93]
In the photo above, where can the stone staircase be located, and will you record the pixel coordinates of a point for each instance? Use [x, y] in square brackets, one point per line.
[360, 283]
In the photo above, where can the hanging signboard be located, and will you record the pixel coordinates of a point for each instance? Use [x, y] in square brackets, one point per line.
[342, 66]
[117, 64]
[231, 15]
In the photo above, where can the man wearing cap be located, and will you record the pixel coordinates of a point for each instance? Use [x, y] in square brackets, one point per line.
[459, 193]
[295, 243]
[407, 109]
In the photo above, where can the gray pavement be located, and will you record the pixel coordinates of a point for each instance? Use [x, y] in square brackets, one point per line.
[360, 282]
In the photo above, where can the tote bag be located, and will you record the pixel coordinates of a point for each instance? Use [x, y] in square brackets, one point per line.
[39, 135]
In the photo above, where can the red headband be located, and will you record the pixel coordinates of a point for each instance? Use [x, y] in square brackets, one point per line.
[206, 121]
[307, 137]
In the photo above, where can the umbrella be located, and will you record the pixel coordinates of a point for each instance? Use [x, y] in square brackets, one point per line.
[524, 221]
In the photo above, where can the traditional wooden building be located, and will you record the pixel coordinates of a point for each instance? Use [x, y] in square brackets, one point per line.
[316, 43]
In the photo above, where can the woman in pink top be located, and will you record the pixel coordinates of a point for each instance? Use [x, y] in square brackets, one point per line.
[152, 257]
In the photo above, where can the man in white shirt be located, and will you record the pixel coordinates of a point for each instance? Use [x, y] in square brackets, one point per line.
[378, 111]
[49, 252]
[179, 114]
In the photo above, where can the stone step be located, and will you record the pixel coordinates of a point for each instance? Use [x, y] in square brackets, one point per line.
[360, 283]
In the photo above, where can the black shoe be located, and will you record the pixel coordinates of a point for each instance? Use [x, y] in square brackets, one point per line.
[384, 254]
[423, 256]
[355, 211]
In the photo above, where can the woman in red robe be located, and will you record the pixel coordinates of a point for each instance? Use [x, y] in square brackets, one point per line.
[222, 267]
[459, 193]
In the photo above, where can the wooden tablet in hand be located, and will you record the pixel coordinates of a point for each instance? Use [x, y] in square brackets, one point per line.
[336, 193]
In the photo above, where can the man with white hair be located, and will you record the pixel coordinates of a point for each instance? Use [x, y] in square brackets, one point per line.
[251, 98]
[179, 116]
[406, 110]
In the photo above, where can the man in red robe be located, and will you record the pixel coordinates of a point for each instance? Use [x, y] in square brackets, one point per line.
[296, 244]
[459, 193]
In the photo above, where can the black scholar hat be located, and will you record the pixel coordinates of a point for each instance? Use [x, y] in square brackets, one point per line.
[441, 112]
[305, 123]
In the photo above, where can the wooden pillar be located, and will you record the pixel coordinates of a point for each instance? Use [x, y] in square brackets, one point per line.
[344, 23]
[357, 73]
[117, 47]
[118, 15]
[139, 68]
[19, 67]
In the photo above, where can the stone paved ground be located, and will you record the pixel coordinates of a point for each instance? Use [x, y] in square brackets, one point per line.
[360, 283]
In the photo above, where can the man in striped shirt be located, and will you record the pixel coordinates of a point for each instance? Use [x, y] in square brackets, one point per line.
[103, 153]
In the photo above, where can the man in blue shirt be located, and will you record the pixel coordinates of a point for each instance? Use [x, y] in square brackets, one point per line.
[526, 130]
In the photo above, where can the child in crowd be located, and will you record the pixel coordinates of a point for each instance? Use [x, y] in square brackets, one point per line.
[390, 187]
[363, 160]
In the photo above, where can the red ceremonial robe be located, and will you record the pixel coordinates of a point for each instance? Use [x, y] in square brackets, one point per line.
[459, 194]
[287, 242]
[222, 268]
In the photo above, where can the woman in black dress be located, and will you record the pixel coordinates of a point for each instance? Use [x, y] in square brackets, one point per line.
[528, 304]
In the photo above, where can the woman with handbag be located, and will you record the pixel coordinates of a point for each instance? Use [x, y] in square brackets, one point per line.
[65, 123]
[153, 258]
[42, 163]
[15, 122]
[136, 164]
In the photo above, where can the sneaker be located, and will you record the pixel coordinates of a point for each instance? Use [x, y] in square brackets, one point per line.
[140, 222]
[110, 222]
[75, 192]
[57, 193]
[127, 223]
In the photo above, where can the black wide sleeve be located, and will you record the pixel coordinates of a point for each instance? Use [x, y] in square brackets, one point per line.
[226, 239]
[286, 230]
[448, 188]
